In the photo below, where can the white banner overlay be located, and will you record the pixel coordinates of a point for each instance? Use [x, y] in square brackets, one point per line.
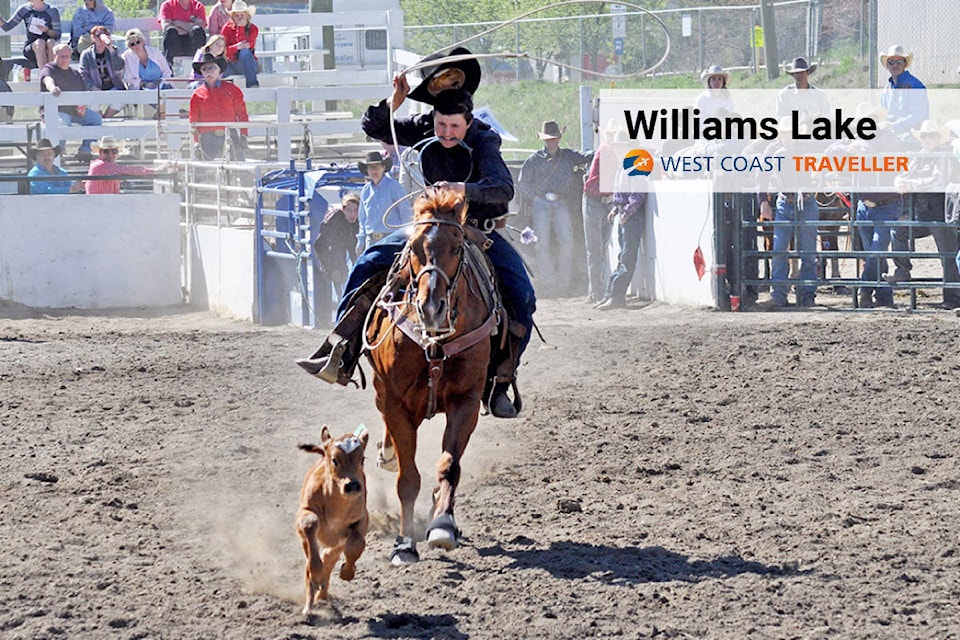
[786, 141]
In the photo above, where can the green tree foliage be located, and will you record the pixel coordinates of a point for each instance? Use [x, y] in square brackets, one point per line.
[569, 33]
[120, 8]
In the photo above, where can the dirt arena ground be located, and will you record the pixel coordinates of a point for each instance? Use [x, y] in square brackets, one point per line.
[676, 473]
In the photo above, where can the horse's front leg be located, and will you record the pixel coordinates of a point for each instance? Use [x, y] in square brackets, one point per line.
[401, 431]
[461, 421]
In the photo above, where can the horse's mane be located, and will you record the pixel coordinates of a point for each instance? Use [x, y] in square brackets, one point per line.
[441, 203]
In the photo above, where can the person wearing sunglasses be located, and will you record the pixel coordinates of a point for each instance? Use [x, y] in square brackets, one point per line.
[905, 97]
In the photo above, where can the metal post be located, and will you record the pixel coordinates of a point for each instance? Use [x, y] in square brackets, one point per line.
[700, 40]
[768, 21]
[517, 61]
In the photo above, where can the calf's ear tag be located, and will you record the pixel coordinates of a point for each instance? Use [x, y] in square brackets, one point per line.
[350, 444]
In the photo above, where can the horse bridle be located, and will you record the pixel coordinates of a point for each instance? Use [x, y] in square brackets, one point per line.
[435, 337]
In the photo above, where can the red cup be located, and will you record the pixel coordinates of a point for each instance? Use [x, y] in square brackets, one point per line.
[734, 303]
[26, 75]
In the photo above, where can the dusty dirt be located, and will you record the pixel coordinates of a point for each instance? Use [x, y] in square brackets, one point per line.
[677, 473]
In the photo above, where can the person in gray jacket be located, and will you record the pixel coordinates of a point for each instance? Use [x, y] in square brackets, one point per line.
[101, 67]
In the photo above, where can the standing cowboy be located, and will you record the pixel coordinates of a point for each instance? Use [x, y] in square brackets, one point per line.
[906, 109]
[547, 180]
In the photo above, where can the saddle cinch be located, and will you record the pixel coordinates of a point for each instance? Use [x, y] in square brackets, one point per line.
[345, 345]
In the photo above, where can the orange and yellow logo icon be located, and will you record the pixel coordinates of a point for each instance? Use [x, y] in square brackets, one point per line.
[638, 162]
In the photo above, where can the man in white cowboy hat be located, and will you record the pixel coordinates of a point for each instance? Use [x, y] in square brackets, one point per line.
[184, 24]
[548, 179]
[932, 167]
[43, 156]
[906, 109]
[716, 100]
[801, 96]
[379, 193]
[105, 164]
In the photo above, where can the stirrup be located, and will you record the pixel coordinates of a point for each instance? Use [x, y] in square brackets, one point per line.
[327, 368]
[390, 463]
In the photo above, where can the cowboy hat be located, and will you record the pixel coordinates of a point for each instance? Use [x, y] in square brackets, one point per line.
[105, 142]
[897, 51]
[550, 130]
[239, 6]
[375, 157]
[464, 74]
[714, 70]
[798, 65]
[931, 126]
[220, 61]
[44, 144]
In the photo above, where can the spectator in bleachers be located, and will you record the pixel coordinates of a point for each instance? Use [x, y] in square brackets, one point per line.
[90, 14]
[241, 40]
[217, 47]
[106, 165]
[43, 30]
[43, 156]
[217, 101]
[184, 24]
[102, 67]
[57, 77]
[218, 16]
[379, 193]
[144, 66]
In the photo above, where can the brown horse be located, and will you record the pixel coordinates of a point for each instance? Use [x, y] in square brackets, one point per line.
[428, 339]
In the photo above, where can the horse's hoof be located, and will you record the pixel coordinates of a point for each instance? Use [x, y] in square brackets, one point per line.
[442, 533]
[387, 458]
[404, 552]
[442, 539]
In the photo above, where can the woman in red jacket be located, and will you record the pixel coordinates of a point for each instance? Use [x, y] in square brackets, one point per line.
[241, 37]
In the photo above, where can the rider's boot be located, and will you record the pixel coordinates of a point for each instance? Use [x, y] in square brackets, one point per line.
[337, 357]
[500, 404]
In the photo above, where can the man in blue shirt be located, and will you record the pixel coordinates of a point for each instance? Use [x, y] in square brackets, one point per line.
[378, 195]
[43, 155]
[906, 110]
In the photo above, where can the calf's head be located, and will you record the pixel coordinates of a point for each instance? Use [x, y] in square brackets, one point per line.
[343, 458]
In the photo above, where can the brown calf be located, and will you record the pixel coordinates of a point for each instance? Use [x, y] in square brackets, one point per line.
[332, 518]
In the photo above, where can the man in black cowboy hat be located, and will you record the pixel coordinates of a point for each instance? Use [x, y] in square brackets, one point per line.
[459, 152]
[548, 179]
[377, 196]
[43, 156]
[801, 96]
[217, 101]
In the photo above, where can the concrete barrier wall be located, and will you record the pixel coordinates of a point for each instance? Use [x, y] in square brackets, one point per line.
[222, 271]
[90, 252]
[679, 219]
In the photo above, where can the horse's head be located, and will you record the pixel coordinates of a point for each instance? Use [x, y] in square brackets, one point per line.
[436, 257]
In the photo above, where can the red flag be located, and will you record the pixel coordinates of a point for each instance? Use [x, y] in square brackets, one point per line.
[699, 264]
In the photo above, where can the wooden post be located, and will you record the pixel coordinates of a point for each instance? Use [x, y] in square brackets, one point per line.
[769, 24]
[329, 58]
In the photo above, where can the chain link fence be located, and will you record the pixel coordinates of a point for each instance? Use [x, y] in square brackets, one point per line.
[633, 41]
